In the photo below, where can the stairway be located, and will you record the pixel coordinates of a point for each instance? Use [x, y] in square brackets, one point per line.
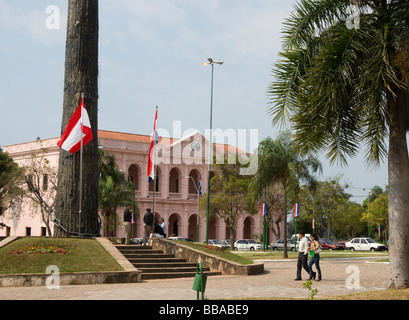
[155, 264]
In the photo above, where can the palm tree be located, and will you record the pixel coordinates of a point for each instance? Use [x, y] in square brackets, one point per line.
[342, 87]
[114, 190]
[281, 169]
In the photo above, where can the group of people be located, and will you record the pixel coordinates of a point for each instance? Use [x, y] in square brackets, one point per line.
[305, 248]
[153, 229]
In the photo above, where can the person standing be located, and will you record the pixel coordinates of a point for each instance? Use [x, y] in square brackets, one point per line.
[127, 223]
[302, 255]
[147, 225]
[163, 225]
[315, 248]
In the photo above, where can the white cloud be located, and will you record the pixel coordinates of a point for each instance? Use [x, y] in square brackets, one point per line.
[32, 23]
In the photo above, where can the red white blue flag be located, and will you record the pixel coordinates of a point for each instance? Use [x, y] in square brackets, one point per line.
[200, 187]
[154, 140]
[296, 210]
[132, 218]
[313, 223]
[263, 209]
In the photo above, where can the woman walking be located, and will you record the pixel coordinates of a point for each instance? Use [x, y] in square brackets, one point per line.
[314, 249]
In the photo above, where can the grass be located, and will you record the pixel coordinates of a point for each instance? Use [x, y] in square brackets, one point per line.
[278, 255]
[225, 254]
[387, 294]
[82, 255]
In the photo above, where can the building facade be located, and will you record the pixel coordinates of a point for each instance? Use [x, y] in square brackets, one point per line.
[181, 164]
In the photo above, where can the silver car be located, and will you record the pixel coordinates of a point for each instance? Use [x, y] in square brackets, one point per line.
[279, 245]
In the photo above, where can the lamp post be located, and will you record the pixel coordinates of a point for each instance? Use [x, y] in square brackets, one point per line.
[211, 62]
[198, 211]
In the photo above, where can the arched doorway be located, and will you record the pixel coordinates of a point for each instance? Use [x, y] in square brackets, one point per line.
[158, 181]
[174, 181]
[194, 178]
[247, 228]
[134, 174]
[192, 227]
[174, 224]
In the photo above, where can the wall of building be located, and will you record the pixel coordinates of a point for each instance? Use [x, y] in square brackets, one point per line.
[178, 172]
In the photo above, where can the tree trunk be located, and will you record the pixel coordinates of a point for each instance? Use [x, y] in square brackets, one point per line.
[398, 173]
[81, 76]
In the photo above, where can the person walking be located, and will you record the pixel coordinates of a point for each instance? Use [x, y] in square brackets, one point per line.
[315, 250]
[302, 255]
[147, 226]
[127, 223]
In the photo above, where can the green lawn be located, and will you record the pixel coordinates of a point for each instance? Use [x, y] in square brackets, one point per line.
[82, 255]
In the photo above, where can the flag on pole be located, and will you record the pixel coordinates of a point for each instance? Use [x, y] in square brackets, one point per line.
[296, 210]
[200, 188]
[379, 227]
[71, 138]
[154, 140]
[313, 224]
[263, 209]
[132, 218]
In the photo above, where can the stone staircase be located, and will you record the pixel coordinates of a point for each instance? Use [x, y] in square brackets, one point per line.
[155, 264]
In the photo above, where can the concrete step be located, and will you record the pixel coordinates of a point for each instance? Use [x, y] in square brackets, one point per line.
[130, 256]
[150, 276]
[155, 260]
[163, 269]
[140, 265]
[155, 264]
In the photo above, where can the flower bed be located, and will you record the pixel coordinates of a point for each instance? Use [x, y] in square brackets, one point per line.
[33, 249]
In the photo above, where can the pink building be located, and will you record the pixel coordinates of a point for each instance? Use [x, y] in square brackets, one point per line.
[181, 164]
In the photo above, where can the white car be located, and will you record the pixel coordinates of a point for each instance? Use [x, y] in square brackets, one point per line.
[217, 243]
[247, 244]
[364, 244]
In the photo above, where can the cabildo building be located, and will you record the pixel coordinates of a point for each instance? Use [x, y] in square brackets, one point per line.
[182, 163]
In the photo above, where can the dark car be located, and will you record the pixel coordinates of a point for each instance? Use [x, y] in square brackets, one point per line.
[327, 244]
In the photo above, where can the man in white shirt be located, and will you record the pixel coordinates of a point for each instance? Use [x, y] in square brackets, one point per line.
[302, 255]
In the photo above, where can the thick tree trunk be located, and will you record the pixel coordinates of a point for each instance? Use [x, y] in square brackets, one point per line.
[81, 76]
[398, 172]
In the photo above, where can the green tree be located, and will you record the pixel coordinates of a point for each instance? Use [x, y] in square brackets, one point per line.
[230, 197]
[114, 190]
[281, 170]
[11, 176]
[343, 86]
[377, 213]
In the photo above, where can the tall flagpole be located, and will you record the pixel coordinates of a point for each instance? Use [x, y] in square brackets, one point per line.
[154, 168]
[82, 135]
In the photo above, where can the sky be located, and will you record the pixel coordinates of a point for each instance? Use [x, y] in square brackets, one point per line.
[151, 53]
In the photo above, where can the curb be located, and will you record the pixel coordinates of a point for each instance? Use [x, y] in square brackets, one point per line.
[129, 275]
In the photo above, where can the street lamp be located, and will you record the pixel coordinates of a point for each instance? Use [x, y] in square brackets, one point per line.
[198, 200]
[211, 62]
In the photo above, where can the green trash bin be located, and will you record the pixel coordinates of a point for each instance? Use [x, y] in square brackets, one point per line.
[199, 285]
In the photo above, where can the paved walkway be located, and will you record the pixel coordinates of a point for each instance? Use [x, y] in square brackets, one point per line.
[277, 281]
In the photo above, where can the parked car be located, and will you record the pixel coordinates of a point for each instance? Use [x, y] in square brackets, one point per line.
[180, 238]
[227, 242]
[341, 243]
[327, 244]
[279, 245]
[364, 244]
[217, 243]
[307, 235]
[247, 244]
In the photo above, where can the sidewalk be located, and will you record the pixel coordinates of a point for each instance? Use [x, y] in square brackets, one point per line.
[277, 281]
